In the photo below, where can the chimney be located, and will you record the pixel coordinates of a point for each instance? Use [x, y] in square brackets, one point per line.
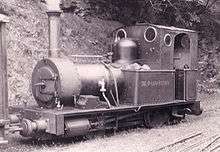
[3, 79]
[54, 13]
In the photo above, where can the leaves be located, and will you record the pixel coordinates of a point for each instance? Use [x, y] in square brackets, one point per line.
[191, 14]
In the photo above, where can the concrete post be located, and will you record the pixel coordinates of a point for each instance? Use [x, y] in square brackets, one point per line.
[3, 79]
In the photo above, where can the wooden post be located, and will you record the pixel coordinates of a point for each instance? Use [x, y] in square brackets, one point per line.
[3, 79]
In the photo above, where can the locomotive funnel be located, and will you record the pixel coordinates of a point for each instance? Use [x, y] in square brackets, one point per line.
[54, 27]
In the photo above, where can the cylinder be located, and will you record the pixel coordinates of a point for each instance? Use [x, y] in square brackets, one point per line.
[54, 32]
[60, 79]
[77, 127]
[30, 127]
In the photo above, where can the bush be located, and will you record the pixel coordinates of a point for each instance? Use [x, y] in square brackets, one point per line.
[192, 14]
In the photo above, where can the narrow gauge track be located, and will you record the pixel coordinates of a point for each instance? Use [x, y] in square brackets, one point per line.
[196, 142]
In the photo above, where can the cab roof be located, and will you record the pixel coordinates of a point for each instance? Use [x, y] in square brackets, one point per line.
[172, 28]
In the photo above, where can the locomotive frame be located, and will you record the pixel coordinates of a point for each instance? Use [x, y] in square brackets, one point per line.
[141, 104]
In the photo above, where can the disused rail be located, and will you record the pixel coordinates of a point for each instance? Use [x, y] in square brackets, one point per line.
[178, 142]
[197, 142]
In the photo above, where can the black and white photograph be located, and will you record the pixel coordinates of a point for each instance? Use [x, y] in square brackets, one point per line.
[109, 75]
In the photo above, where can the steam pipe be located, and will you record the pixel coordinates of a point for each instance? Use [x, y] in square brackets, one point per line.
[54, 32]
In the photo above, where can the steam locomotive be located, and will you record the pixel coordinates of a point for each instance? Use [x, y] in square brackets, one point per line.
[148, 78]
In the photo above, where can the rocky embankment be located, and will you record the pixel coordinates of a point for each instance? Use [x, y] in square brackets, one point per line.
[27, 41]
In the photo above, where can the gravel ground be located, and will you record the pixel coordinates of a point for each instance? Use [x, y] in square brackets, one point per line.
[206, 127]
[27, 43]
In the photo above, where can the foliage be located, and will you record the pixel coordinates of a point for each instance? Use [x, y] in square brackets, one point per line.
[191, 14]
